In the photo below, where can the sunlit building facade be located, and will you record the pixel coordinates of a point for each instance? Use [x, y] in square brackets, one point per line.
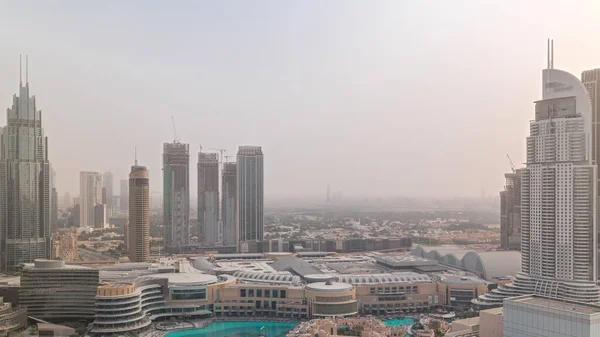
[25, 184]
[558, 199]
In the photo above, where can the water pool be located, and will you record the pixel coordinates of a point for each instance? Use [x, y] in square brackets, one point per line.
[399, 322]
[237, 329]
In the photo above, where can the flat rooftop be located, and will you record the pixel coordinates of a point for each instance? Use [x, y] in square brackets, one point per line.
[570, 306]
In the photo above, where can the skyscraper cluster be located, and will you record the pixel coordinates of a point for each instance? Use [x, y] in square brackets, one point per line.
[232, 216]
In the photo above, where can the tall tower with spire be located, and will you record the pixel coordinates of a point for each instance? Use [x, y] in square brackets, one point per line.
[25, 183]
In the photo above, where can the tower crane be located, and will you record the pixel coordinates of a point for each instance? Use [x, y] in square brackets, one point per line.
[220, 151]
[512, 165]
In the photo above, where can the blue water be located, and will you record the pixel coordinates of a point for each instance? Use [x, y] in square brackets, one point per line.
[237, 329]
[399, 322]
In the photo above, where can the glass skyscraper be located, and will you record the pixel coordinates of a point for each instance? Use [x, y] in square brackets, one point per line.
[250, 193]
[25, 184]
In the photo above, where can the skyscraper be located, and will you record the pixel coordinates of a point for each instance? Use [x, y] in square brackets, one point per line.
[558, 198]
[90, 195]
[25, 189]
[229, 204]
[139, 214]
[510, 211]
[591, 80]
[124, 196]
[176, 195]
[208, 197]
[250, 194]
[107, 184]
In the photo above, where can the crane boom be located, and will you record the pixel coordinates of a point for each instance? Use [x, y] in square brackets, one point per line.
[512, 165]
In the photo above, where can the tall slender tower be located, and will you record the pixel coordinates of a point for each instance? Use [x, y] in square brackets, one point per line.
[250, 193]
[208, 197]
[510, 211]
[107, 184]
[176, 195]
[124, 196]
[229, 204]
[139, 214]
[558, 197]
[25, 187]
[90, 195]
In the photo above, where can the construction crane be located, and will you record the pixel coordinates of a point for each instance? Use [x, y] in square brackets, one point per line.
[512, 165]
[175, 139]
[221, 151]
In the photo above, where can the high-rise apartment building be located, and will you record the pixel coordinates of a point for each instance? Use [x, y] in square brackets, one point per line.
[591, 80]
[510, 211]
[107, 184]
[90, 195]
[176, 195]
[139, 214]
[124, 196]
[25, 186]
[558, 198]
[208, 198]
[250, 193]
[229, 204]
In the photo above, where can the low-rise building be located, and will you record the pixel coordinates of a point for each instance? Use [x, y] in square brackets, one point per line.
[51, 289]
[11, 318]
[536, 316]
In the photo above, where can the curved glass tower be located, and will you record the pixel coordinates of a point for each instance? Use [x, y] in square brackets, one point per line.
[558, 199]
[25, 191]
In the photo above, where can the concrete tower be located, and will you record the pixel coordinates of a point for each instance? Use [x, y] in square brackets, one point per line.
[124, 196]
[25, 187]
[208, 198]
[250, 194]
[176, 195]
[90, 195]
[139, 214]
[229, 204]
[107, 184]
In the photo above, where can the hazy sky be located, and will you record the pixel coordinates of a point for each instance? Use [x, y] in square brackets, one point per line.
[376, 98]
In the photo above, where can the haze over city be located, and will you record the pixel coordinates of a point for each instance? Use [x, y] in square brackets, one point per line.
[377, 98]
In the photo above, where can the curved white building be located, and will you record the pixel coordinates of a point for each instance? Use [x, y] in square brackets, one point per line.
[558, 200]
[130, 306]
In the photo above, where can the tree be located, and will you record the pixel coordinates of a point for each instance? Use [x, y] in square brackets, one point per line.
[435, 325]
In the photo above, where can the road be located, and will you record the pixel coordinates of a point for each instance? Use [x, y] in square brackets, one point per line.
[88, 255]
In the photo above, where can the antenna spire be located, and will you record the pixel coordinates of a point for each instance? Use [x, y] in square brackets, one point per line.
[26, 69]
[548, 55]
[552, 54]
[135, 155]
[20, 69]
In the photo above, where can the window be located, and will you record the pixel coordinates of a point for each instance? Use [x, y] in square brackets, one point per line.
[267, 293]
[275, 293]
[282, 294]
[242, 292]
[258, 292]
[250, 292]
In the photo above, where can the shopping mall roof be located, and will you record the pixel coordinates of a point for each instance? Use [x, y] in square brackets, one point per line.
[403, 261]
[406, 277]
[258, 277]
[295, 265]
[186, 279]
[488, 265]
[329, 287]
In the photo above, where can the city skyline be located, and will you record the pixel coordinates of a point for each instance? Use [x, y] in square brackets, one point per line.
[314, 84]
